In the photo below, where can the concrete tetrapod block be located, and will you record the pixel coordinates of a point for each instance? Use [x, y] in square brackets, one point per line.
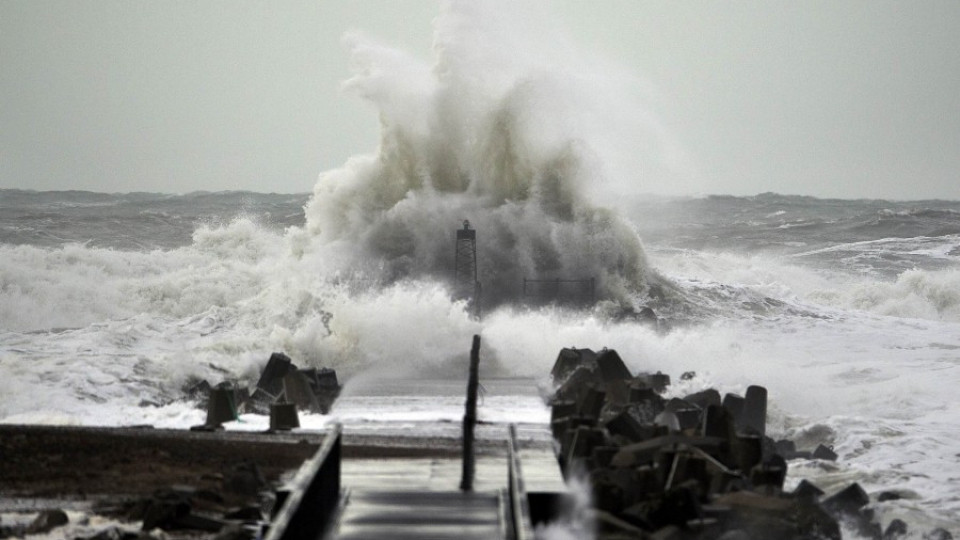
[825, 453]
[734, 404]
[805, 490]
[847, 501]
[283, 417]
[271, 378]
[717, 422]
[576, 384]
[221, 407]
[568, 360]
[562, 409]
[626, 425]
[297, 390]
[591, 402]
[611, 367]
[754, 416]
[771, 473]
[641, 453]
[704, 399]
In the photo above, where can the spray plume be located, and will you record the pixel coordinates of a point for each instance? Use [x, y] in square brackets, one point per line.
[510, 128]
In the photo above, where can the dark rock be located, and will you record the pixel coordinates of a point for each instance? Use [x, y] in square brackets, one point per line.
[670, 532]
[583, 441]
[888, 496]
[785, 448]
[641, 393]
[825, 453]
[746, 451]
[938, 534]
[164, 512]
[677, 506]
[771, 473]
[704, 399]
[848, 501]
[198, 522]
[895, 530]
[657, 381]
[236, 532]
[609, 489]
[807, 491]
[244, 479]
[46, 521]
[688, 375]
[815, 521]
[762, 516]
[323, 378]
[602, 455]
[643, 452]
[197, 390]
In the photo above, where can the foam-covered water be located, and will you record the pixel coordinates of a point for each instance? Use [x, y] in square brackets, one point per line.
[847, 311]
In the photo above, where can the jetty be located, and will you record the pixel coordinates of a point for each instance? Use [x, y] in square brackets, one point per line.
[697, 467]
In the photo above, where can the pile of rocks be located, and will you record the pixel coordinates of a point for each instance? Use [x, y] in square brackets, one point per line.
[693, 468]
[282, 389]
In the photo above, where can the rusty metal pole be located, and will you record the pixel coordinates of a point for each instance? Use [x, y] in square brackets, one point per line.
[470, 417]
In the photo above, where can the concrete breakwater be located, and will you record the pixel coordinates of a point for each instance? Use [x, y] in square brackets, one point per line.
[697, 467]
[693, 468]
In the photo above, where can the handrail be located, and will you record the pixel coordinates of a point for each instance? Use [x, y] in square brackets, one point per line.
[315, 495]
[519, 505]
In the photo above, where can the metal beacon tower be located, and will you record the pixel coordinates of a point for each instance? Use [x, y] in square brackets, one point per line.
[465, 281]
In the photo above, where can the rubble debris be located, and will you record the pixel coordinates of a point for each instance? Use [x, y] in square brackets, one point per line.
[696, 467]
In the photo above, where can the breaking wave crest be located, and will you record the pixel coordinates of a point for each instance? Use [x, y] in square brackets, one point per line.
[496, 132]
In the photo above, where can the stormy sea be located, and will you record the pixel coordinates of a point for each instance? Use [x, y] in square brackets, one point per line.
[847, 311]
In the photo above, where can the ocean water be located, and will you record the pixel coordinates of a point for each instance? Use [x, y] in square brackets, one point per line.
[848, 311]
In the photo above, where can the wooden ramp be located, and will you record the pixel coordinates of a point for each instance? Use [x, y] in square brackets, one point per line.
[400, 477]
[419, 498]
[424, 515]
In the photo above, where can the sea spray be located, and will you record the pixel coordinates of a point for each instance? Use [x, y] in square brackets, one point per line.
[504, 130]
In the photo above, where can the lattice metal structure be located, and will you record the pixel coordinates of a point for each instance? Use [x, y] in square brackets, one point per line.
[466, 285]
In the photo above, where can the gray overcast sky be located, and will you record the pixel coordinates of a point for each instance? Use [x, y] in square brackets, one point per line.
[824, 98]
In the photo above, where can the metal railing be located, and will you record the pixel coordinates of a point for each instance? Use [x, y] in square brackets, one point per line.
[519, 505]
[315, 496]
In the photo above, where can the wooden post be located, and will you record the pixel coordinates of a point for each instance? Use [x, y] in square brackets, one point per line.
[470, 417]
